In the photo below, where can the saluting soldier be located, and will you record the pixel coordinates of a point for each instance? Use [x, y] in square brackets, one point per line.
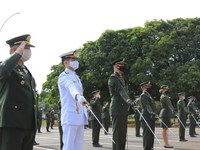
[96, 107]
[182, 114]
[192, 113]
[137, 117]
[120, 101]
[149, 113]
[18, 110]
[106, 116]
[166, 113]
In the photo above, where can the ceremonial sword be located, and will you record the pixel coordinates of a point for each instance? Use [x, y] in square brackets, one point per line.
[180, 121]
[148, 125]
[195, 120]
[166, 126]
[100, 123]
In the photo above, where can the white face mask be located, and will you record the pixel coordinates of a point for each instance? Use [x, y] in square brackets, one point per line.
[26, 55]
[74, 64]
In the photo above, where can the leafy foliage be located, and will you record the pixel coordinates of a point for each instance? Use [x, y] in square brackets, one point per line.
[163, 52]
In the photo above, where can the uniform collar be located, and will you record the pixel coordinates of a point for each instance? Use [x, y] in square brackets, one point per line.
[69, 71]
[117, 74]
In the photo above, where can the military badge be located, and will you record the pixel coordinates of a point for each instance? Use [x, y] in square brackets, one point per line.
[74, 81]
[22, 82]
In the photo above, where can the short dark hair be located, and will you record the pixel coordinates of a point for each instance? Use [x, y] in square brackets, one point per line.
[63, 59]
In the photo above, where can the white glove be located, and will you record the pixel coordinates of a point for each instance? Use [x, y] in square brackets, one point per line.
[82, 100]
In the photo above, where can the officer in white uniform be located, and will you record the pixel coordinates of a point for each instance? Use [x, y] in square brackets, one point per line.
[73, 109]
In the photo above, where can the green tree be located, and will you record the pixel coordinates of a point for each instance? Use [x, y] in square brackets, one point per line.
[163, 52]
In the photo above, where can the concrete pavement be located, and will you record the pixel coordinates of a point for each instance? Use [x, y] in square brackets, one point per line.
[50, 140]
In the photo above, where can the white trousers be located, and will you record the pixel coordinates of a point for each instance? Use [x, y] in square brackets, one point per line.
[73, 136]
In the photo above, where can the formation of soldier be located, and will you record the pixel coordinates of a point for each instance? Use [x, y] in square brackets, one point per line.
[167, 112]
[18, 98]
[146, 111]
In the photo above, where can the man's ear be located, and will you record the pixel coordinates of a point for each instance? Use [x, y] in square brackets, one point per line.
[66, 62]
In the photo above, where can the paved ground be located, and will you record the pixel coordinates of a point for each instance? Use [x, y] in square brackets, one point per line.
[50, 141]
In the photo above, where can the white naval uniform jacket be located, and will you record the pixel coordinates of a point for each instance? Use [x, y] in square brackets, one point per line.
[69, 86]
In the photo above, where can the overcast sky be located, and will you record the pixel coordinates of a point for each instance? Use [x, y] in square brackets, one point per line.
[59, 26]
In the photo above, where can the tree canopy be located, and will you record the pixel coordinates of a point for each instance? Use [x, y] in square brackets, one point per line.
[162, 52]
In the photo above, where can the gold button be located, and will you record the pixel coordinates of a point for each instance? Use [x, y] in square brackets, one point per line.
[22, 82]
[15, 106]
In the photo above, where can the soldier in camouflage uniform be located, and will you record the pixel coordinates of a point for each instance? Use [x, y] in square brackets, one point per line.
[52, 118]
[48, 120]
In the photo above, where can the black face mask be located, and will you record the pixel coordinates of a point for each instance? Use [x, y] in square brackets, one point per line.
[167, 92]
[148, 90]
[122, 68]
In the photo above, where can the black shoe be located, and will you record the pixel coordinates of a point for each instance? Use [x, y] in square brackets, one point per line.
[97, 145]
[48, 131]
[35, 143]
[39, 132]
[107, 133]
[183, 140]
[196, 134]
[168, 146]
[193, 136]
[138, 135]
